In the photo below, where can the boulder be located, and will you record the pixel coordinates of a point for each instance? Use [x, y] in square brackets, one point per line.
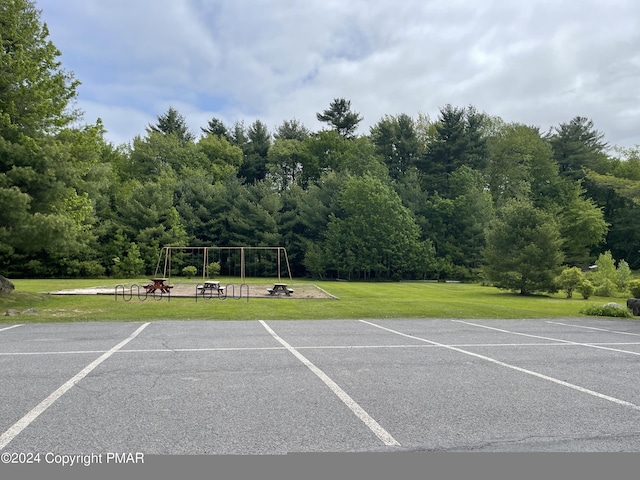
[633, 304]
[6, 285]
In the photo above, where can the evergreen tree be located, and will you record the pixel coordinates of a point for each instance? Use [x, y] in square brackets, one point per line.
[396, 140]
[215, 126]
[457, 224]
[340, 117]
[36, 93]
[172, 123]
[523, 249]
[292, 130]
[255, 146]
[44, 164]
[577, 145]
[458, 141]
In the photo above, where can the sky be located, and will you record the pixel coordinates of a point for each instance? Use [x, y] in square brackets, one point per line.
[537, 62]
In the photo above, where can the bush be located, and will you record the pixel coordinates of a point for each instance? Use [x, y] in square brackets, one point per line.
[131, 265]
[569, 280]
[607, 310]
[634, 287]
[606, 289]
[213, 269]
[88, 268]
[586, 289]
[189, 271]
[611, 280]
[623, 275]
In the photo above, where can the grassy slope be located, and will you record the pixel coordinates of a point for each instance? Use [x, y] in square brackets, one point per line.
[356, 300]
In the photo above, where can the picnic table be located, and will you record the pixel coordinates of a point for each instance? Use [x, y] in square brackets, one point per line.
[211, 285]
[279, 288]
[158, 284]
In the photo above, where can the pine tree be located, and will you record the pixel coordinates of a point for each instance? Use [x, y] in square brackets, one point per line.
[340, 117]
[172, 123]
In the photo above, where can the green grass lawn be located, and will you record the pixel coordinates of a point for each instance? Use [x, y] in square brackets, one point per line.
[355, 300]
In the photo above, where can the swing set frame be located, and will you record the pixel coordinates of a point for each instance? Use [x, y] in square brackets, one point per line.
[164, 259]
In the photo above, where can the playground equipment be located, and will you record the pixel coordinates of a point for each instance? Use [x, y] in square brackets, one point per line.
[165, 259]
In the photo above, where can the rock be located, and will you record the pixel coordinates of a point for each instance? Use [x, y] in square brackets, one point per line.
[6, 285]
[11, 313]
[633, 304]
[30, 311]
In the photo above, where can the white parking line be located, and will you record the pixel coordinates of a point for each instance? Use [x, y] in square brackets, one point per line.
[25, 421]
[594, 328]
[374, 426]
[9, 328]
[568, 342]
[514, 367]
[309, 347]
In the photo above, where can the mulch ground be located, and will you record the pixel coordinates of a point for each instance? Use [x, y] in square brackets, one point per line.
[189, 290]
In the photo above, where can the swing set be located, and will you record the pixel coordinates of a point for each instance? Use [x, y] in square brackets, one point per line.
[234, 256]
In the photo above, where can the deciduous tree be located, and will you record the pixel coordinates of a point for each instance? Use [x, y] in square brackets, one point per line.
[373, 235]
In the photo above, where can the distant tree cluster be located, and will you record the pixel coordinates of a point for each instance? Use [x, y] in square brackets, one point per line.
[465, 196]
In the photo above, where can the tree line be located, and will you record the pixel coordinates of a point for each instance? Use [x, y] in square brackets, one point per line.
[463, 196]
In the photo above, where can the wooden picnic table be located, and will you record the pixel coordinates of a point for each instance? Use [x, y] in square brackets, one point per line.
[280, 288]
[158, 284]
[212, 285]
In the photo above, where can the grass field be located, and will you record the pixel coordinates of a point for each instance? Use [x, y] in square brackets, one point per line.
[354, 300]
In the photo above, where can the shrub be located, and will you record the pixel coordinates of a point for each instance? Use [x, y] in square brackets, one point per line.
[213, 269]
[87, 268]
[634, 287]
[605, 269]
[569, 280]
[131, 265]
[623, 275]
[586, 289]
[607, 310]
[608, 279]
[189, 271]
[606, 289]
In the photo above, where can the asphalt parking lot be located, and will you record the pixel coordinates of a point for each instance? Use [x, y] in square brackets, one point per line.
[276, 387]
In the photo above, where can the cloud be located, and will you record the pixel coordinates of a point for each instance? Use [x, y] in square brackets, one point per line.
[540, 62]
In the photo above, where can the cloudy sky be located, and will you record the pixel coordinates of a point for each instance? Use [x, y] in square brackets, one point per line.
[539, 62]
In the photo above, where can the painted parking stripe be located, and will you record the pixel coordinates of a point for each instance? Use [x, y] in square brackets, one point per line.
[25, 421]
[9, 328]
[595, 328]
[514, 367]
[374, 426]
[568, 342]
[307, 347]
